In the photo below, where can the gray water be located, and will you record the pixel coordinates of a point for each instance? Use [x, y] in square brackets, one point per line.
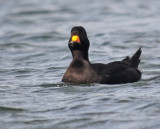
[34, 56]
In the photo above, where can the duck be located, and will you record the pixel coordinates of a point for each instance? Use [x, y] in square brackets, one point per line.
[81, 70]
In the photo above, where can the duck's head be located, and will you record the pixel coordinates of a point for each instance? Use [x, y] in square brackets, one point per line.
[78, 42]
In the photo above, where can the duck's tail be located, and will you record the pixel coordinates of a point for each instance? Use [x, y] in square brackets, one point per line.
[135, 59]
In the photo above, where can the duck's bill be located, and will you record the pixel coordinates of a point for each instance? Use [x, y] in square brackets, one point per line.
[75, 38]
[75, 41]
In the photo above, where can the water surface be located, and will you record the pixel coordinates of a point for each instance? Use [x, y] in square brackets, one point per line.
[34, 56]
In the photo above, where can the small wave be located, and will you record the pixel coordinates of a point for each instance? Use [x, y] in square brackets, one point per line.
[52, 85]
[32, 12]
[147, 106]
[61, 84]
[78, 106]
[100, 34]
[15, 45]
[152, 78]
[71, 121]
[2, 108]
[54, 36]
[19, 71]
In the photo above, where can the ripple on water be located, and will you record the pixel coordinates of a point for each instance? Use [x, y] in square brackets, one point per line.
[10, 109]
[34, 55]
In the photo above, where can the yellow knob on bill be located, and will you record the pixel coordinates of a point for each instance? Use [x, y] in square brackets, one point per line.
[75, 38]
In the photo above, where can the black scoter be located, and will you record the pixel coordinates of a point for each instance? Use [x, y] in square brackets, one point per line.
[81, 70]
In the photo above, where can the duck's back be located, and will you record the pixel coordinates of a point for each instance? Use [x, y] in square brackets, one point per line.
[116, 72]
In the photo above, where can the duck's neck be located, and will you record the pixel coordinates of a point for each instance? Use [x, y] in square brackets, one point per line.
[77, 54]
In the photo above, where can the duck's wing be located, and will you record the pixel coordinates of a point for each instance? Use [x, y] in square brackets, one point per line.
[110, 68]
[119, 72]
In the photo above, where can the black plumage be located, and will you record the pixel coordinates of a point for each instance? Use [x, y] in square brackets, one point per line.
[81, 70]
